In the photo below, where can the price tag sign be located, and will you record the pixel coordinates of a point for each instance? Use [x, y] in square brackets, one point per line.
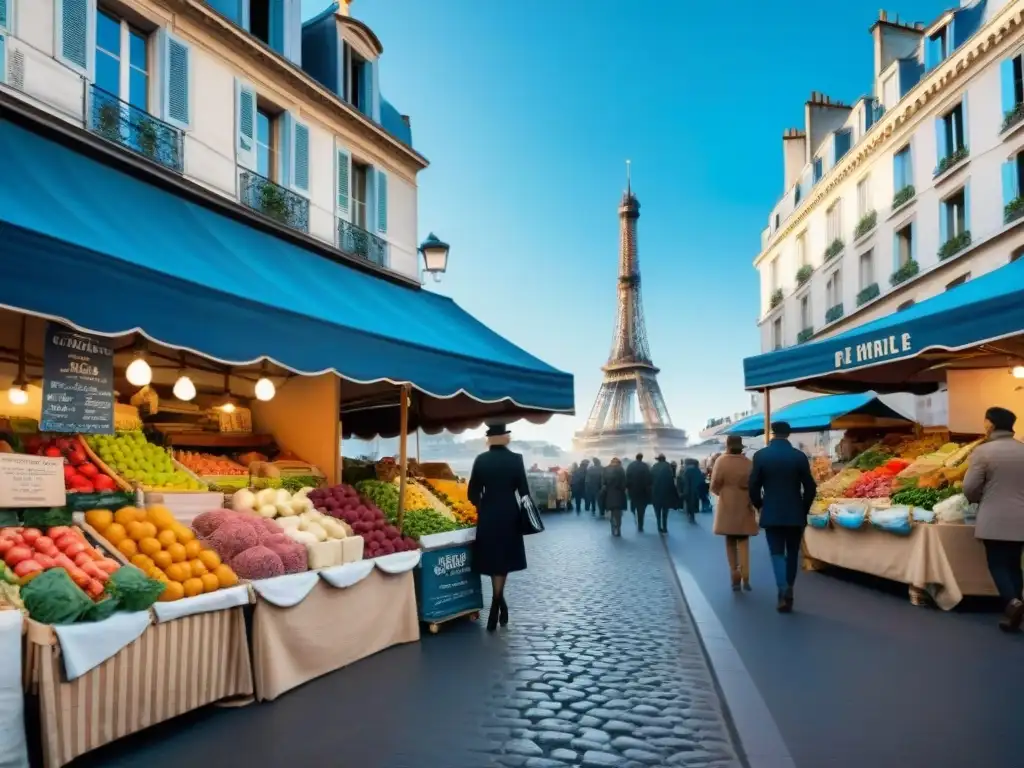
[78, 383]
[31, 481]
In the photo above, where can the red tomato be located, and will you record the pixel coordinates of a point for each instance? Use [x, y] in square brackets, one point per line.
[17, 555]
[75, 548]
[25, 567]
[45, 560]
[31, 534]
[45, 544]
[57, 531]
[5, 545]
[95, 554]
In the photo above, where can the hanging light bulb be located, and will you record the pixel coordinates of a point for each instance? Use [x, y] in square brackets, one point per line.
[228, 407]
[1018, 372]
[138, 373]
[228, 403]
[265, 389]
[17, 394]
[184, 389]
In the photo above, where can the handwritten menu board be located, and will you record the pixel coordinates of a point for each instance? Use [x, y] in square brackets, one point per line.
[31, 481]
[78, 383]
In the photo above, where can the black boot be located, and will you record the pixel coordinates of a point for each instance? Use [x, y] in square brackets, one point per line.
[1012, 617]
[492, 615]
[502, 611]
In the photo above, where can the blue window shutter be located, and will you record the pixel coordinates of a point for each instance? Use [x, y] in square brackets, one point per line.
[5, 14]
[943, 223]
[967, 121]
[245, 124]
[300, 156]
[3, 57]
[375, 91]
[899, 171]
[275, 11]
[343, 160]
[382, 202]
[967, 207]
[177, 85]
[1009, 97]
[75, 30]
[285, 148]
[1010, 190]
[940, 139]
[932, 54]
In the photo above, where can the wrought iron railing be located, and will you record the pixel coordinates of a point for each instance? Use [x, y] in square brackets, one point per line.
[1013, 210]
[357, 242]
[273, 201]
[867, 294]
[135, 129]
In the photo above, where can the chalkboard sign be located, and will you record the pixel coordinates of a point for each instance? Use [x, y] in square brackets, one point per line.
[447, 584]
[78, 383]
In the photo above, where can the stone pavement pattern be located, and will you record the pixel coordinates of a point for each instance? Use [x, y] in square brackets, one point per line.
[604, 667]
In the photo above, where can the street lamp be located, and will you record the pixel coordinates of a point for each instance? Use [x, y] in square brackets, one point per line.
[435, 256]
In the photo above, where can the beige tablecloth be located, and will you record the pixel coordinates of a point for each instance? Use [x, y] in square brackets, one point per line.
[171, 669]
[944, 560]
[330, 629]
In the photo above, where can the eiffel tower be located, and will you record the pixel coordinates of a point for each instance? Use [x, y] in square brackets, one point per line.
[629, 414]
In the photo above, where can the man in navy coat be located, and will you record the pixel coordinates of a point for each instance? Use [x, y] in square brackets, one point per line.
[782, 489]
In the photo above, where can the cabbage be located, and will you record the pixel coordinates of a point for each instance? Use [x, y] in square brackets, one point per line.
[244, 500]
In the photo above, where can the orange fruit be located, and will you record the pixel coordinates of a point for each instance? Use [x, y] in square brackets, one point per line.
[193, 587]
[127, 547]
[156, 573]
[149, 546]
[210, 559]
[160, 516]
[166, 538]
[142, 562]
[177, 552]
[192, 549]
[183, 533]
[173, 591]
[225, 576]
[115, 533]
[150, 529]
[163, 560]
[198, 568]
[176, 572]
[100, 519]
[210, 582]
[136, 530]
[125, 515]
[187, 569]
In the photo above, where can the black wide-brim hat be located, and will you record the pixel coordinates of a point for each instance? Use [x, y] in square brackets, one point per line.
[496, 430]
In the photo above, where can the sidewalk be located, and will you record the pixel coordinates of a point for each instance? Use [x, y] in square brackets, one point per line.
[857, 676]
[600, 666]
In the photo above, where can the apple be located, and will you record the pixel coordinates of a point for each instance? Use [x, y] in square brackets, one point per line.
[103, 483]
[53, 452]
[88, 470]
[77, 456]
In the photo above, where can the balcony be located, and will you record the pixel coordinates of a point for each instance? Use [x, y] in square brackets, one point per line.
[954, 245]
[776, 298]
[804, 335]
[866, 224]
[834, 313]
[867, 294]
[135, 129]
[903, 196]
[1012, 117]
[904, 273]
[1013, 210]
[834, 248]
[273, 201]
[357, 242]
[953, 158]
[804, 274]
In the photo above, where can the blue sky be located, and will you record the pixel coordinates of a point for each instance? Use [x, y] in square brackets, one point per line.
[528, 110]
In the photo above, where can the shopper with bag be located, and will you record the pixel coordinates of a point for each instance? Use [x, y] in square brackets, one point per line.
[498, 488]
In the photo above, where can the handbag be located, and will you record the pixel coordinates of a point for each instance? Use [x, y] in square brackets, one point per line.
[529, 516]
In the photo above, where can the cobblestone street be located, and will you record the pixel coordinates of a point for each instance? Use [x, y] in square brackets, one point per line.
[600, 666]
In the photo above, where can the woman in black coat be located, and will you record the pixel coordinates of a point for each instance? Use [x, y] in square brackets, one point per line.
[497, 476]
[613, 490]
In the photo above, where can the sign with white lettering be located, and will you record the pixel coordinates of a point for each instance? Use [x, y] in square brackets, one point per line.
[873, 351]
[31, 481]
[78, 383]
[446, 583]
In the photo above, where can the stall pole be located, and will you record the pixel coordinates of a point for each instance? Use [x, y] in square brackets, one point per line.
[767, 415]
[403, 453]
[417, 445]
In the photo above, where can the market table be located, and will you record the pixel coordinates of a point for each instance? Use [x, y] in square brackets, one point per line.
[945, 561]
[331, 627]
[172, 668]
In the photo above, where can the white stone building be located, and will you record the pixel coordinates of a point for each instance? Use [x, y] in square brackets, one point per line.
[239, 98]
[903, 194]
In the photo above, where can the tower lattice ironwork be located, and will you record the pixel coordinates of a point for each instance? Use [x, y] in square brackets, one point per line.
[629, 409]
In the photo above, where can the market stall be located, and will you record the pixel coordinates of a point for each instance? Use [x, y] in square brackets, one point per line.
[220, 361]
[971, 340]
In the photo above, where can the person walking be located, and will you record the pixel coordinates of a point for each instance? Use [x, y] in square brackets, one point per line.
[690, 485]
[498, 475]
[613, 491]
[734, 514]
[705, 486]
[593, 486]
[638, 483]
[782, 488]
[579, 484]
[995, 482]
[663, 491]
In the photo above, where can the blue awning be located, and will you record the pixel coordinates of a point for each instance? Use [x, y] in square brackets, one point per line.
[909, 349]
[817, 414]
[108, 253]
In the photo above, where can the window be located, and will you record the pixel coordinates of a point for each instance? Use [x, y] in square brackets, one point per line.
[903, 176]
[777, 333]
[796, 195]
[266, 143]
[866, 269]
[773, 274]
[357, 80]
[890, 92]
[936, 48]
[122, 60]
[950, 134]
[259, 19]
[360, 194]
[801, 250]
[954, 216]
[863, 198]
[777, 222]
[834, 222]
[834, 289]
[959, 281]
[904, 246]
[817, 170]
[805, 312]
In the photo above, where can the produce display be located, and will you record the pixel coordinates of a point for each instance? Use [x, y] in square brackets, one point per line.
[28, 552]
[923, 498]
[821, 469]
[136, 460]
[164, 549]
[255, 547]
[416, 522]
[455, 495]
[80, 474]
[876, 483]
[378, 531]
[206, 464]
[835, 487]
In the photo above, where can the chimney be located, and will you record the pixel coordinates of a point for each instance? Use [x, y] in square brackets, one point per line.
[794, 156]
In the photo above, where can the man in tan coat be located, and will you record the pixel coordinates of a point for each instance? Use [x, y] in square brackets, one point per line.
[995, 481]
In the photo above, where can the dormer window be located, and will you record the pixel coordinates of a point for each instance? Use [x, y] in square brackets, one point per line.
[936, 48]
[259, 19]
[357, 89]
[817, 170]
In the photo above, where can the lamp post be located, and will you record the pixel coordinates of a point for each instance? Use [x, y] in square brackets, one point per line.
[435, 256]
